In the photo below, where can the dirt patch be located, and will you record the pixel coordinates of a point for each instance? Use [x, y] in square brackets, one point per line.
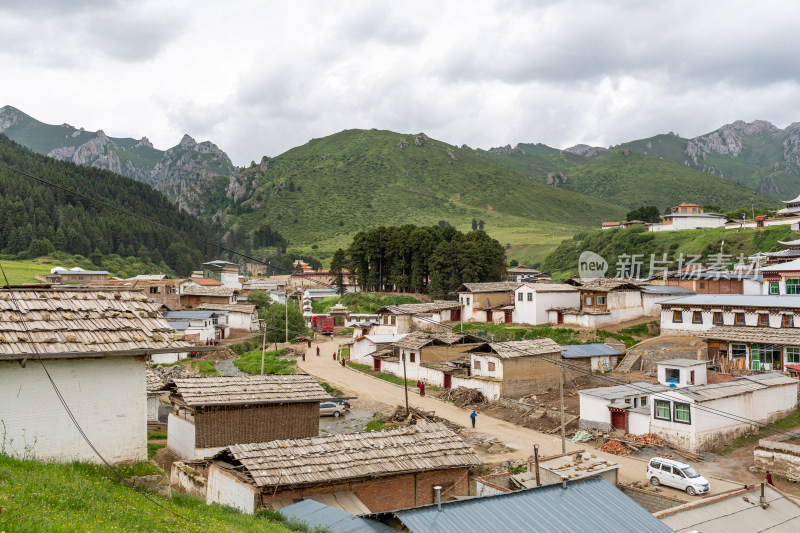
[164, 459]
[543, 414]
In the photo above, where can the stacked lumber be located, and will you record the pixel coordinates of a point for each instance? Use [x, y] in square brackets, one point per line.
[614, 447]
[463, 396]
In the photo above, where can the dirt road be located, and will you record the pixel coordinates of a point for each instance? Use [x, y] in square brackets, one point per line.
[519, 438]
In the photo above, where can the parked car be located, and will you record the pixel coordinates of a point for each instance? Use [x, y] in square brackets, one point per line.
[342, 402]
[331, 409]
[676, 474]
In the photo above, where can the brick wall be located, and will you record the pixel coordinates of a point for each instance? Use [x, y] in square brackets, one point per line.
[652, 501]
[223, 426]
[389, 493]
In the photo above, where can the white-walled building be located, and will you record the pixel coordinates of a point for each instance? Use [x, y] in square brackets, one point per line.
[405, 318]
[688, 216]
[364, 346]
[487, 302]
[200, 327]
[225, 272]
[532, 301]
[625, 407]
[782, 278]
[604, 302]
[155, 388]
[94, 343]
[239, 316]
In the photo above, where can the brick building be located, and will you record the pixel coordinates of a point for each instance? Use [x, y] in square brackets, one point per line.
[210, 413]
[390, 469]
[192, 295]
[522, 367]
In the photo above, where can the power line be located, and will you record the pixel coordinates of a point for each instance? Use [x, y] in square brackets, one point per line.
[67, 408]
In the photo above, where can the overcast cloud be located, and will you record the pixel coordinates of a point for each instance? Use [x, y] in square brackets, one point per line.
[259, 79]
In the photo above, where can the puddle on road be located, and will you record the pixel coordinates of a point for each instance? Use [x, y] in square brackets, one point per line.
[353, 421]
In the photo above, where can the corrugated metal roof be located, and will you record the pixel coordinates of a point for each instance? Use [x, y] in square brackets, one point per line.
[576, 351]
[739, 385]
[736, 512]
[666, 289]
[316, 514]
[738, 300]
[619, 392]
[189, 315]
[237, 308]
[584, 506]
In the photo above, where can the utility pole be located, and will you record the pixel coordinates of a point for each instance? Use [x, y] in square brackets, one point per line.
[561, 394]
[536, 463]
[286, 319]
[405, 383]
[263, 345]
[461, 314]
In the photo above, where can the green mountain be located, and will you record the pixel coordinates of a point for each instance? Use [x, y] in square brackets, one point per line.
[37, 219]
[169, 171]
[624, 177]
[326, 190]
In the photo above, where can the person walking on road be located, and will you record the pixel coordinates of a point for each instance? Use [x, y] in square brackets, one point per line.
[317, 351]
[472, 417]
[309, 343]
[769, 479]
[334, 356]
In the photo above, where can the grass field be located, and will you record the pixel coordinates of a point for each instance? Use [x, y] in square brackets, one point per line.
[250, 362]
[38, 497]
[19, 272]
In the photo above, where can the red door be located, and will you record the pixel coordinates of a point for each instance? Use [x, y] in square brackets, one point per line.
[376, 364]
[509, 317]
[455, 315]
[619, 420]
[488, 316]
[448, 380]
[559, 317]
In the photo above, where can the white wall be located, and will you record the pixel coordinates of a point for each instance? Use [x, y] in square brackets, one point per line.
[361, 350]
[240, 320]
[668, 327]
[108, 396]
[188, 479]
[700, 374]
[467, 306]
[594, 412]
[167, 358]
[638, 423]
[535, 312]
[225, 489]
[180, 437]
[484, 369]
[230, 279]
[152, 408]
[491, 389]
[681, 223]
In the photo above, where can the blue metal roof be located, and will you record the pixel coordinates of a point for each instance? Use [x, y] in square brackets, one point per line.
[316, 514]
[576, 351]
[589, 505]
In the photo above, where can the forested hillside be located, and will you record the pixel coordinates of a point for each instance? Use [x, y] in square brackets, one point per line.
[36, 219]
[409, 258]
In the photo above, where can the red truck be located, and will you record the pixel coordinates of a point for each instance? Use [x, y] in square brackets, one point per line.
[322, 323]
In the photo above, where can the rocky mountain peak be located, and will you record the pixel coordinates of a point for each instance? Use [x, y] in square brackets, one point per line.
[187, 142]
[11, 116]
[144, 141]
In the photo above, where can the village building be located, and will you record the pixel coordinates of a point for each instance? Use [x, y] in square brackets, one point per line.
[741, 331]
[792, 208]
[365, 346]
[752, 509]
[159, 289]
[790, 252]
[155, 388]
[487, 302]
[193, 295]
[197, 281]
[586, 505]
[339, 515]
[361, 323]
[688, 216]
[608, 301]
[520, 274]
[520, 367]
[405, 318]
[532, 301]
[75, 275]
[95, 344]
[610, 225]
[782, 278]
[210, 413]
[225, 272]
[200, 327]
[321, 279]
[779, 454]
[262, 284]
[390, 469]
[686, 410]
[239, 316]
[595, 357]
[706, 282]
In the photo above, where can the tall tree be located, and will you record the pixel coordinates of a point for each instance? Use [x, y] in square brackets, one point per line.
[338, 263]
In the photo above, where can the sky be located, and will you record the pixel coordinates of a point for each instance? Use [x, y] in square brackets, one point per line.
[258, 78]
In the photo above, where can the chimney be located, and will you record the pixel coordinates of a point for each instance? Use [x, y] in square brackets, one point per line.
[563, 483]
[438, 489]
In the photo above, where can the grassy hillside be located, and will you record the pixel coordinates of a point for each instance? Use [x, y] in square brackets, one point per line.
[635, 179]
[38, 497]
[20, 272]
[321, 193]
[611, 244]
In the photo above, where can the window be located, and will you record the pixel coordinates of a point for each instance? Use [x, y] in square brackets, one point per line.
[738, 350]
[530, 296]
[763, 319]
[677, 317]
[467, 300]
[491, 366]
[153, 290]
[793, 354]
[702, 284]
[588, 300]
[774, 288]
[519, 297]
[691, 377]
[765, 356]
[787, 321]
[717, 319]
[738, 319]
[682, 413]
[477, 365]
[793, 286]
[655, 465]
[643, 401]
[697, 317]
[662, 410]
[412, 357]
[601, 300]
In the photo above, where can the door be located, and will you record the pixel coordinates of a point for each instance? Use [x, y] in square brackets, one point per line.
[376, 364]
[455, 315]
[619, 420]
[488, 316]
[509, 317]
[448, 380]
[669, 477]
[559, 317]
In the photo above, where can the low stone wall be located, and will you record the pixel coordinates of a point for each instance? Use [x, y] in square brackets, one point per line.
[652, 501]
[189, 478]
[779, 456]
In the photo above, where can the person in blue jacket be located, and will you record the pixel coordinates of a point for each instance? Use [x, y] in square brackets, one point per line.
[472, 417]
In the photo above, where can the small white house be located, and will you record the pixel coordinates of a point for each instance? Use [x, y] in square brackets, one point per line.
[94, 343]
[679, 373]
[532, 301]
[600, 357]
[239, 316]
[625, 407]
[782, 278]
[201, 327]
[364, 346]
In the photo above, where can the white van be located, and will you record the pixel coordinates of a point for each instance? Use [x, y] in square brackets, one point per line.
[676, 474]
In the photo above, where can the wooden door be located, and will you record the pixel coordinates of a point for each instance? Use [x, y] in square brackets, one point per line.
[488, 316]
[448, 380]
[559, 317]
[509, 318]
[376, 364]
[455, 315]
[619, 420]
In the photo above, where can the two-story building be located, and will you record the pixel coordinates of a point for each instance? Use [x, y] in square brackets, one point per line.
[225, 272]
[405, 318]
[75, 275]
[521, 367]
[688, 216]
[487, 302]
[193, 295]
[200, 327]
[532, 301]
[782, 278]
[707, 282]
[741, 331]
